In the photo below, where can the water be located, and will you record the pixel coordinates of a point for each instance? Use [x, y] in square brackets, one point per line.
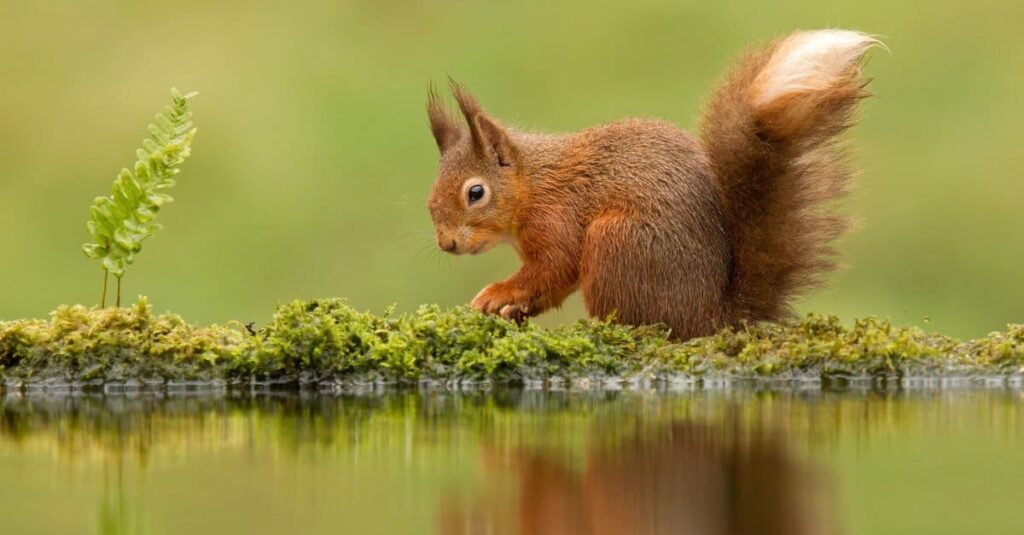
[726, 461]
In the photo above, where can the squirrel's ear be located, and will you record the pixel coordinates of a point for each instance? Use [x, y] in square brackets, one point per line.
[496, 141]
[442, 125]
[470, 108]
[489, 138]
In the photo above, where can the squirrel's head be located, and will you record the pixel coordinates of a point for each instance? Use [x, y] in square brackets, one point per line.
[473, 197]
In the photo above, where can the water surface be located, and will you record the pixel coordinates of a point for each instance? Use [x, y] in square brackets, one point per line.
[727, 461]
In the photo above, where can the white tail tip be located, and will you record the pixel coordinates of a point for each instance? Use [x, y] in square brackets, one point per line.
[812, 61]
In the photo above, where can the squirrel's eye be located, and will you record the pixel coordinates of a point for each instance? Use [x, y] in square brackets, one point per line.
[475, 193]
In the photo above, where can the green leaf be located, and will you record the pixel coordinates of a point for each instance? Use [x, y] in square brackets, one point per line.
[159, 199]
[123, 238]
[152, 147]
[142, 172]
[145, 213]
[94, 251]
[114, 265]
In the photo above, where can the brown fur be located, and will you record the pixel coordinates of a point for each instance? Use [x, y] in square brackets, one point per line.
[654, 225]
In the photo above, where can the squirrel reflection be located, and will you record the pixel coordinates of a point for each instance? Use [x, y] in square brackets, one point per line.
[685, 478]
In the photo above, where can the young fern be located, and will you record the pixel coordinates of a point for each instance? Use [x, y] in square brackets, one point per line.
[120, 222]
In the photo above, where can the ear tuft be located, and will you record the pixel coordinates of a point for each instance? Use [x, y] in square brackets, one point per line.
[445, 129]
[470, 109]
[468, 104]
[489, 138]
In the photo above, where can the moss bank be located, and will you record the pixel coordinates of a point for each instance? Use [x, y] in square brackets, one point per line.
[330, 344]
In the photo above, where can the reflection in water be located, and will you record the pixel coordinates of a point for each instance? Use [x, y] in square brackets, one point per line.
[683, 478]
[118, 514]
[730, 461]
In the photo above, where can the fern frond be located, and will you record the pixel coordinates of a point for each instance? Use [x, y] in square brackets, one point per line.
[120, 222]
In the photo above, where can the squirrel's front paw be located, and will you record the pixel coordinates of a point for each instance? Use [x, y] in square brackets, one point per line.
[506, 301]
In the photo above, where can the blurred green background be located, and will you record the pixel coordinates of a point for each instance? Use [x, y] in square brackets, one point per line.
[313, 158]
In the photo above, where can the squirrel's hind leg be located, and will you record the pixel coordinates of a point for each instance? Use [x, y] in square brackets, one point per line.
[643, 274]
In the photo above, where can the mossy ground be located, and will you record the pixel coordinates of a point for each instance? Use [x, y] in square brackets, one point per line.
[327, 342]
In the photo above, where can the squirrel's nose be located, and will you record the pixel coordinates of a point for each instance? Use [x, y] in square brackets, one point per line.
[446, 245]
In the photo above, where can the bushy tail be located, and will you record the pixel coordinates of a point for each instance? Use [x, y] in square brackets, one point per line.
[770, 131]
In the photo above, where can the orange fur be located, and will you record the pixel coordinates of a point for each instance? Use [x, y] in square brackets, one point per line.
[653, 224]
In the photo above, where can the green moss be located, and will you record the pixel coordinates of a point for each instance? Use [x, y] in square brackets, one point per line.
[328, 341]
[116, 345]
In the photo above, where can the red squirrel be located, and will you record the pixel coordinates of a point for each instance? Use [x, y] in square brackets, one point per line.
[653, 224]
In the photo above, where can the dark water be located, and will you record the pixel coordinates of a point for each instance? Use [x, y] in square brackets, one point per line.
[516, 462]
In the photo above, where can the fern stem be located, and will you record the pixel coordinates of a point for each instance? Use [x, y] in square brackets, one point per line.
[119, 292]
[103, 296]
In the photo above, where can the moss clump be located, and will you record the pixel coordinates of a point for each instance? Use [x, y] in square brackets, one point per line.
[113, 344]
[328, 341]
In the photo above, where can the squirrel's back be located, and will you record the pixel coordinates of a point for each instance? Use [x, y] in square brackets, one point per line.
[650, 163]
